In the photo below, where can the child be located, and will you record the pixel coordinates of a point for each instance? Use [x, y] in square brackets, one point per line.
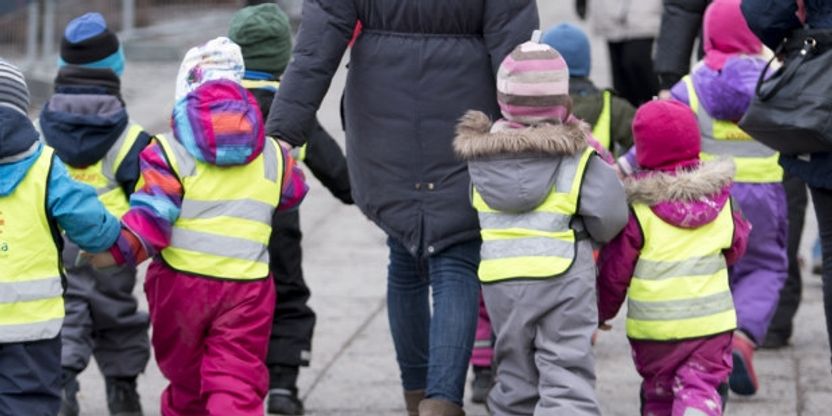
[610, 116]
[265, 38]
[38, 200]
[85, 121]
[204, 214]
[543, 196]
[671, 261]
[719, 90]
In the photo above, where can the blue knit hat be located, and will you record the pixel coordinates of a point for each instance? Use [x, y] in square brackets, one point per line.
[88, 42]
[573, 45]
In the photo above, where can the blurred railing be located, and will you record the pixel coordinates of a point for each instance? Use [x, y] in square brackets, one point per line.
[32, 29]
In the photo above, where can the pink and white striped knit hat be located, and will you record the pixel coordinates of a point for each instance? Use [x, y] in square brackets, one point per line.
[533, 85]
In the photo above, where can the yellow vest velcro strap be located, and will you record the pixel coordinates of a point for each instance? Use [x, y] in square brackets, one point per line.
[736, 148]
[680, 309]
[527, 247]
[247, 209]
[219, 245]
[539, 221]
[698, 266]
[27, 290]
[32, 331]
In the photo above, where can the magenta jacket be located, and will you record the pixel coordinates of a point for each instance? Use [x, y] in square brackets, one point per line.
[688, 199]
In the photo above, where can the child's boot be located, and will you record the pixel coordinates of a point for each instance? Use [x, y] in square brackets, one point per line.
[437, 407]
[284, 402]
[122, 397]
[482, 383]
[69, 393]
[743, 379]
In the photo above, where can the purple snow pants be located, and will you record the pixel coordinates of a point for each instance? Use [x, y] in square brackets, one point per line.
[682, 377]
[756, 279]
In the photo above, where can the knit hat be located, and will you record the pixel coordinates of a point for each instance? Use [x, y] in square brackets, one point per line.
[726, 33]
[573, 45]
[666, 135]
[219, 123]
[265, 38]
[533, 85]
[88, 42]
[220, 58]
[13, 90]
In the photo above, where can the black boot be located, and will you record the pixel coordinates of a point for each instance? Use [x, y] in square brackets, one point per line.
[482, 383]
[69, 393]
[284, 402]
[122, 397]
[283, 391]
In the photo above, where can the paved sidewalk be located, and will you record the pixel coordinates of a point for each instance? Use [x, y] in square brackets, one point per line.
[353, 369]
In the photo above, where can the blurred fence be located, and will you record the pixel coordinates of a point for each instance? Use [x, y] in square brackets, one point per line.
[32, 29]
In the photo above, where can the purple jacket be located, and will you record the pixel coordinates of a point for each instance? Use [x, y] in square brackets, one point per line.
[724, 94]
[688, 200]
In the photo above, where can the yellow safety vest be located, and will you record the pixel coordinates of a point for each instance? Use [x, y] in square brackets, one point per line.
[102, 175]
[31, 293]
[680, 285]
[602, 131]
[536, 244]
[755, 162]
[298, 153]
[225, 221]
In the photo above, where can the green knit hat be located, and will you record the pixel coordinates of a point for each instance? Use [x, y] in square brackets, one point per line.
[265, 37]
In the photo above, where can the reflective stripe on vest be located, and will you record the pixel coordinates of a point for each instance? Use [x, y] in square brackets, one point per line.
[755, 162]
[602, 131]
[102, 175]
[535, 244]
[225, 221]
[680, 285]
[31, 294]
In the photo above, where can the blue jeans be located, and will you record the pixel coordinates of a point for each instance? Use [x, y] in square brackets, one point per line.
[433, 352]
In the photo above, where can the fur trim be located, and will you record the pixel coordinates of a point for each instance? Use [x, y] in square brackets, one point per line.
[710, 178]
[474, 138]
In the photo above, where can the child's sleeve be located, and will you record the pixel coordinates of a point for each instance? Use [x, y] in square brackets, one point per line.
[294, 187]
[78, 212]
[616, 266]
[603, 203]
[742, 228]
[154, 208]
[622, 123]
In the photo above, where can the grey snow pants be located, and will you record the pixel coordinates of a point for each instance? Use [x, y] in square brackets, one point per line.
[545, 363]
[102, 319]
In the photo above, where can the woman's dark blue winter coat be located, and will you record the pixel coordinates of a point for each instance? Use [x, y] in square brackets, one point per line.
[413, 72]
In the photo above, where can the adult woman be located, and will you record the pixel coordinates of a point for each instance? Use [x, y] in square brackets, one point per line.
[772, 21]
[416, 68]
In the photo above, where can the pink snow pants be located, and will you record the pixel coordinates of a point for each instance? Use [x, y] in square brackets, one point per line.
[483, 351]
[210, 338]
[681, 378]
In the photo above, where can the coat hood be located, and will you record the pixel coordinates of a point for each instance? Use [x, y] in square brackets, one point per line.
[726, 94]
[514, 169]
[82, 124]
[219, 123]
[19, 146]
[685, 198]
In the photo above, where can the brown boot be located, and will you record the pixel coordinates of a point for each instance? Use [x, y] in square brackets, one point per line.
[436, 407]
[411, 401]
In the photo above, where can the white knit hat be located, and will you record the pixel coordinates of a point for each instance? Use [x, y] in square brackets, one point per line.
[220, 58]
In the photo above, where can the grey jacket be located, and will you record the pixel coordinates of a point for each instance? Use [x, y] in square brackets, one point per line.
[413, 72]
[515, 170]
